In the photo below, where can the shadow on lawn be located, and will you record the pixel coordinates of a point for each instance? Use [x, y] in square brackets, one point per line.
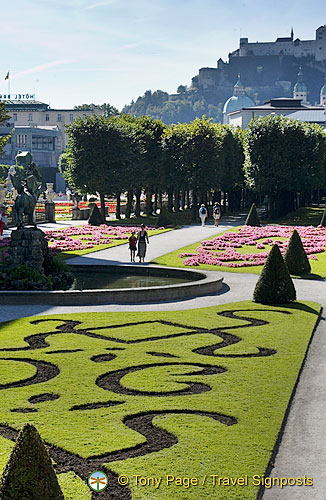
[300, 306]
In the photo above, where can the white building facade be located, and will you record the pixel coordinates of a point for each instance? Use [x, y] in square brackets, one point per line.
[279, 106]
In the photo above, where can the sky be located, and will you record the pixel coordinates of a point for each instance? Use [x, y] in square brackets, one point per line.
[71, 52]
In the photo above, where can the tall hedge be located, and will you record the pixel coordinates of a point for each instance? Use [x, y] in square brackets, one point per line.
[295, 257]
[274, 285]
[252, 218]
[29, 474]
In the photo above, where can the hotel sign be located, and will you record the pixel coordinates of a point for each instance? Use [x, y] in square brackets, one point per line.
[17, 97]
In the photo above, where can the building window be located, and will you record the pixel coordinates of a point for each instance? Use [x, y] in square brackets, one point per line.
[21, 141]
[15, 117]
[47, 117]
[71, 117]
[42, 143]
[59, 118]
[30, 117]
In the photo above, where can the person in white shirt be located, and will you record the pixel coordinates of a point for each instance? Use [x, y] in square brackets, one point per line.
[202, 214]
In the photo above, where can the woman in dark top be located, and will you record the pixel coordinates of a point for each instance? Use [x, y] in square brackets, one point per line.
[142, 239]
[132, 246]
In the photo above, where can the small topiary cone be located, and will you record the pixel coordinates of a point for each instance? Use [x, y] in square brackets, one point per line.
[274, 285]
[323, 218]
[295, 257]
[253, 219]
[29, 474]
[95, 218]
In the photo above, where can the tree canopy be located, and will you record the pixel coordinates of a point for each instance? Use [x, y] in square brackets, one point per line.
[99, 156]
[108, 109]
[284, 156]
[3, 117]
[275, 156]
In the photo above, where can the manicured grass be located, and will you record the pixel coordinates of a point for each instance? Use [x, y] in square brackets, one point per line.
[304, 216]
[169, 373]
[172, 259]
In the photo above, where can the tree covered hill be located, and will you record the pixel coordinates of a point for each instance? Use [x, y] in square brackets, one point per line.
[264, 78]
[182, 107]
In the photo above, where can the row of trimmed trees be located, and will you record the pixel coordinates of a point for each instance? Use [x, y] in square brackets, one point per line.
[194, 162]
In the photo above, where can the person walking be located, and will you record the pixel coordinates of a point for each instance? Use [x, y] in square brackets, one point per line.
[202, 214]
[3, 220]
[142, 239]
[217, 213]
[132, 246]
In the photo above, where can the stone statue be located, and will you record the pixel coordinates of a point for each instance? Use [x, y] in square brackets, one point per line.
[50, 193]
[28, 183]
[76, 198]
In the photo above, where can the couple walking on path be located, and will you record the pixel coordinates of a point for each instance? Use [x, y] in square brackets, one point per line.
[203, 213]
[142, 240]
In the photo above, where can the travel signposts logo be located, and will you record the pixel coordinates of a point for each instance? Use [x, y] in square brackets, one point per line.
[97, 481]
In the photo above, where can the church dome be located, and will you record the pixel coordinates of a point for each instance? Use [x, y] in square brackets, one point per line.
[239, 99]
[236, 102]
[300, 87]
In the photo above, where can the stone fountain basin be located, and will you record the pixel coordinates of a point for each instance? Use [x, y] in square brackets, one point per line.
[201, 283]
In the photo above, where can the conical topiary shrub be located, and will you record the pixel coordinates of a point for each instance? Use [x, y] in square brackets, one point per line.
[29, 474]
[323, 218]
[274, 285]
[252, 218]
[95, 218]
[295, 257]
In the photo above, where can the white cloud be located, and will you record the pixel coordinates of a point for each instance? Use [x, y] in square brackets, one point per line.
[99, 4]
[41, 67]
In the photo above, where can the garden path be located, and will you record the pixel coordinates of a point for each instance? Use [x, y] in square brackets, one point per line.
[158, 245]
[303, 447]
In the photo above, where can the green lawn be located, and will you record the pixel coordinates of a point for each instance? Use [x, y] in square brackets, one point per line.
[186, 393]
[172, 259]
[304, 216]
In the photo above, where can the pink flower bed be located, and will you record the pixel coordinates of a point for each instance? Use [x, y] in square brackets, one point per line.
[221, 251]
[61, 240]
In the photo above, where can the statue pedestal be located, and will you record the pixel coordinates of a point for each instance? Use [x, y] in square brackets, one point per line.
[28, 246]
[78, 214]
[50, 211]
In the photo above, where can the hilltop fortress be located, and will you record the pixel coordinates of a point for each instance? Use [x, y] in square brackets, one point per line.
[269, 69]
[286, 47]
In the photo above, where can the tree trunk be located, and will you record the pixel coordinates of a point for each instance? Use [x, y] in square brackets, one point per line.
[183, 199]
[155, 202]
[130, 197]
[118, 209]
[176, 200]
[160, 199]
[102, 205]
[234, 198]
[170, 200]
[194, 206]
[187, 199]
[137, 207]
[149, 204]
